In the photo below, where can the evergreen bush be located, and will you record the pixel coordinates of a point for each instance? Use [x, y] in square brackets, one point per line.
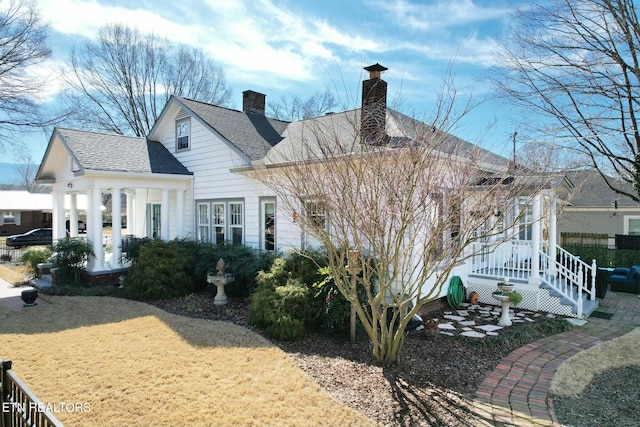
[164, 270]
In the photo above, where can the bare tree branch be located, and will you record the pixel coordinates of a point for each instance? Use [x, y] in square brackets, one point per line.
[23, 46]
[121, 82]
[575, 63]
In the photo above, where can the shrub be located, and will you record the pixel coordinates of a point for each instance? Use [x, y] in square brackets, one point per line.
[70, 257]
[274, 308]
[131, 248]
[334, 309]
[33, 257]
[281, 310]
[163, 270]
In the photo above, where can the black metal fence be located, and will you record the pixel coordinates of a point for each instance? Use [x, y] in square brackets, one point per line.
[8, 254]
[19, 406]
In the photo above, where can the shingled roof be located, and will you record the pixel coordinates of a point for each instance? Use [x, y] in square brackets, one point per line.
[591, 190]
[252, 133]
[117, 153]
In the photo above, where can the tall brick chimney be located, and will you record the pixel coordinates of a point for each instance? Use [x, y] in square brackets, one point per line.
[374, 106]
[253, 102]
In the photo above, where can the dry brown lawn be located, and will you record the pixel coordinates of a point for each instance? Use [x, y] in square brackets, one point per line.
[14, 275]
[135, 365]
[577, 372]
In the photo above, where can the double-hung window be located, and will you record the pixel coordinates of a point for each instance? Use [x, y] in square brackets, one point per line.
[183, 134]
[221, 221]
[204, 230]
[316, 224]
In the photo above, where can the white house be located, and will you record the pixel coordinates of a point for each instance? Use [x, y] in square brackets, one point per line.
[196, 175]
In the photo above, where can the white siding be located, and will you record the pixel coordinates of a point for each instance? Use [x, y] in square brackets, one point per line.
[210, 158]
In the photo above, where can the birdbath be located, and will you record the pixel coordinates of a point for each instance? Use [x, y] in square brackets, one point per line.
[220, 280]
[504, 320]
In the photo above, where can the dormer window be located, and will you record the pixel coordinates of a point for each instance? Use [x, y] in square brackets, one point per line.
[183, 132]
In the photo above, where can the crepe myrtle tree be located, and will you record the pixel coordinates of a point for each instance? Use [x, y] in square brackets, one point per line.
[402, 209]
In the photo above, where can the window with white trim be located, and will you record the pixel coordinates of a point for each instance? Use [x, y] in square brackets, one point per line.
[632, 225]
[268, 215]
[236, 222]
[204, 229]
[220, 221]
[183, 134]
[525, 220]
[316, 223]
[10, 217]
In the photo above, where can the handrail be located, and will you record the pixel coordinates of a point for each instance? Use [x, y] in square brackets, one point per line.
[566, 273]
[19, 406]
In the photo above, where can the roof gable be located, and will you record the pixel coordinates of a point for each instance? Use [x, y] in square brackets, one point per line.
[92, 151]
[251, 133]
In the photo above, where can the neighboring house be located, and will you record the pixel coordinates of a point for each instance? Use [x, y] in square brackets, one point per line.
[21, 211]
[595, 214]
[197, 175]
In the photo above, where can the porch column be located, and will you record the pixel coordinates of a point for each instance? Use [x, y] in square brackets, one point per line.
[536, 240]
[553, 238]
[116, 227]
[164, 216]
[130, 220]
[73, 215]
[179, 214]
[58, 216]
[94, 227]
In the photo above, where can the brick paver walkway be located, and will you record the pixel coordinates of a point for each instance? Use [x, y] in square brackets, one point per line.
[516, 393]
[10, 296]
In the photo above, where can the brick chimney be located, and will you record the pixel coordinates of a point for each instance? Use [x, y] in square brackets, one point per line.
[374, 106]
[253, 101]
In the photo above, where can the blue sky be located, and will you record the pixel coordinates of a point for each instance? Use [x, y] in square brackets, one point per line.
[300, 47]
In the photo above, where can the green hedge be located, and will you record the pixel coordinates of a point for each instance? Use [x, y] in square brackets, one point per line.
[605, 257]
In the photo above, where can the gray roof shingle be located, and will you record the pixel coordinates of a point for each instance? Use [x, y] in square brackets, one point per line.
[118, 153]
[591, 190]
[252, 133]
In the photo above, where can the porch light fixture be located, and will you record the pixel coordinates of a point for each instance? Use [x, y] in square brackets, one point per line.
[69, 185]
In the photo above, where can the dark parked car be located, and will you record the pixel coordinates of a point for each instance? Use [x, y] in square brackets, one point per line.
[39, 236]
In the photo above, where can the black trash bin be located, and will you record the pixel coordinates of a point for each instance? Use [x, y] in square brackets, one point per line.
[602, 281]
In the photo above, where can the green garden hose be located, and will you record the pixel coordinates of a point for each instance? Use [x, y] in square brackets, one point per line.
[456, 292]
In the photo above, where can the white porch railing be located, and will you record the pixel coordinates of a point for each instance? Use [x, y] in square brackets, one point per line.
[569, 276]
[566, 274]
[507, 259]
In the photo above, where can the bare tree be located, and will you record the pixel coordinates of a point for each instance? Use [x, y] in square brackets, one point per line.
[575, 62]
[23, 46]
[293, 107]
[400, 207]
[121, 82]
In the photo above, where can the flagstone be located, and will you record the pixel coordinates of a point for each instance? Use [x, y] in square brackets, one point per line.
[448, 326]
[473, 334]
[452, 317]
[489, 328]
[468, 323]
